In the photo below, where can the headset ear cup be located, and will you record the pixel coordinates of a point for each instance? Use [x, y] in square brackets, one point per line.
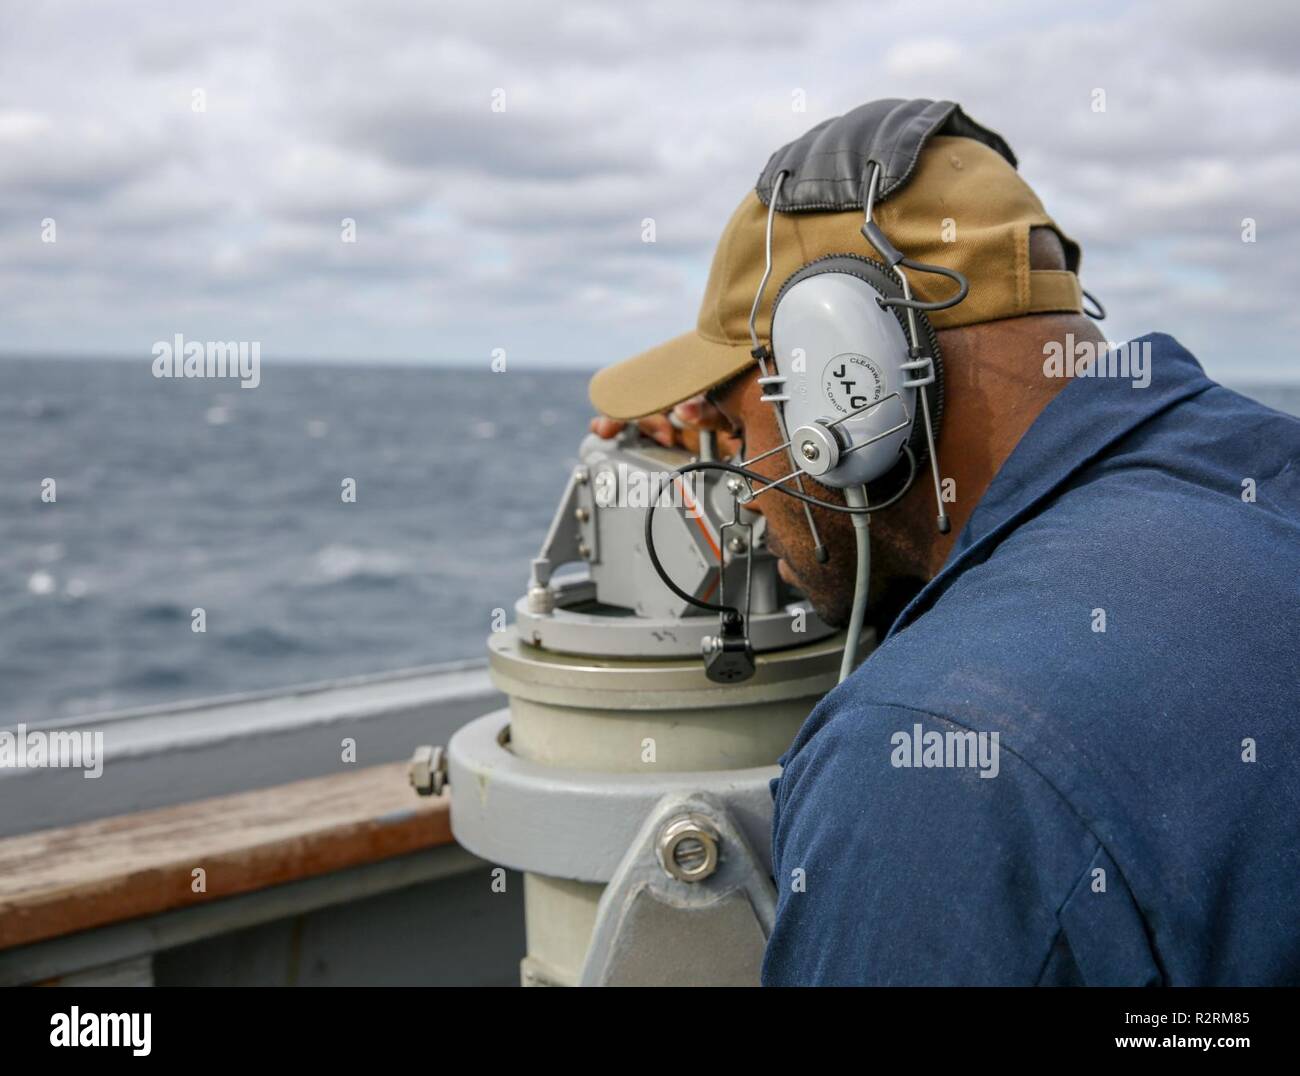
[886, 283]
[887, 486]
[849, 292]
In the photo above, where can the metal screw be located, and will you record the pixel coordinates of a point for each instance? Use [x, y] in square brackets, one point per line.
[581, 475]
[582, 515]
[583, 551]
[739, 490]
[688, 848]
[736, 545]
[810, 451]
[428, 770]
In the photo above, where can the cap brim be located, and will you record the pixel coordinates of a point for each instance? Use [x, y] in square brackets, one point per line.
[655, 380]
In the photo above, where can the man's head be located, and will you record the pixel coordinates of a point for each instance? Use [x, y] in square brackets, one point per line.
[995, 389]
[960, 204]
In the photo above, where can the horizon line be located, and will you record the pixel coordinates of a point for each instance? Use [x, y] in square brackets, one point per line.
[445, 363]
[295, 359]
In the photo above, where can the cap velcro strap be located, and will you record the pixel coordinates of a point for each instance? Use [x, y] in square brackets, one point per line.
[1054, 291]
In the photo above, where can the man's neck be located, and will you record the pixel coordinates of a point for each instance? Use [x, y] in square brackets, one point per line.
[994, 389]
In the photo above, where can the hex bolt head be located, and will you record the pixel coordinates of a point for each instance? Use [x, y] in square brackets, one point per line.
[687, 848]
[428, 770]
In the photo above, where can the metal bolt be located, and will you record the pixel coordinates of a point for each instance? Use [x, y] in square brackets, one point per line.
[810, 451]
[581, 475]
[428, 770]
[688, 848]
[737, 488]
[736, 545]
[582, 515]
[583, 551]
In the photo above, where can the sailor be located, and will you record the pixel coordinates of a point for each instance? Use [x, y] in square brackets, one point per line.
[1117, 604]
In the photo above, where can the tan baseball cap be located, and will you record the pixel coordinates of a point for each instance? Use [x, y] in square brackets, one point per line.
[965, 208]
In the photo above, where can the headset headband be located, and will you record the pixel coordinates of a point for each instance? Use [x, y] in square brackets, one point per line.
[827, 168]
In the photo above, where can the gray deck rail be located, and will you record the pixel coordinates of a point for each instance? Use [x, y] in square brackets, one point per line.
[320, 870]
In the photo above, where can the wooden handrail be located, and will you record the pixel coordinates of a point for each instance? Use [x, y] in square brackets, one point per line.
[57, 881]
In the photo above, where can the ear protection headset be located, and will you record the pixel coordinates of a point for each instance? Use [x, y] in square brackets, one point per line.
[853, 363]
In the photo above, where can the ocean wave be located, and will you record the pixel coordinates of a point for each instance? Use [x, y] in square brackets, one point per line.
[264, 642]
[38, 410]
[348, 564]
[160, 613]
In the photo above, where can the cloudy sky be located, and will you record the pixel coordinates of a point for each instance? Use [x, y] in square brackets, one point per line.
[521, 229]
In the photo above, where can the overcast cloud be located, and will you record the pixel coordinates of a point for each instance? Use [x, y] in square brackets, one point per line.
[521, 229]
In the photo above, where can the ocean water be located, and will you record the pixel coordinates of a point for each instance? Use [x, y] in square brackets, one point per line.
[173, 495]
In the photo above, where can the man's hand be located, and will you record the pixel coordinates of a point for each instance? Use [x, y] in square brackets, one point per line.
[692, 416]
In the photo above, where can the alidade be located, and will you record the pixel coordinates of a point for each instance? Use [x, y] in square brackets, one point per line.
[711, 545]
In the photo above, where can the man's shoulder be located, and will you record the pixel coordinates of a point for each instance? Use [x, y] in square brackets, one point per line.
[861, 754]
[921, 851]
